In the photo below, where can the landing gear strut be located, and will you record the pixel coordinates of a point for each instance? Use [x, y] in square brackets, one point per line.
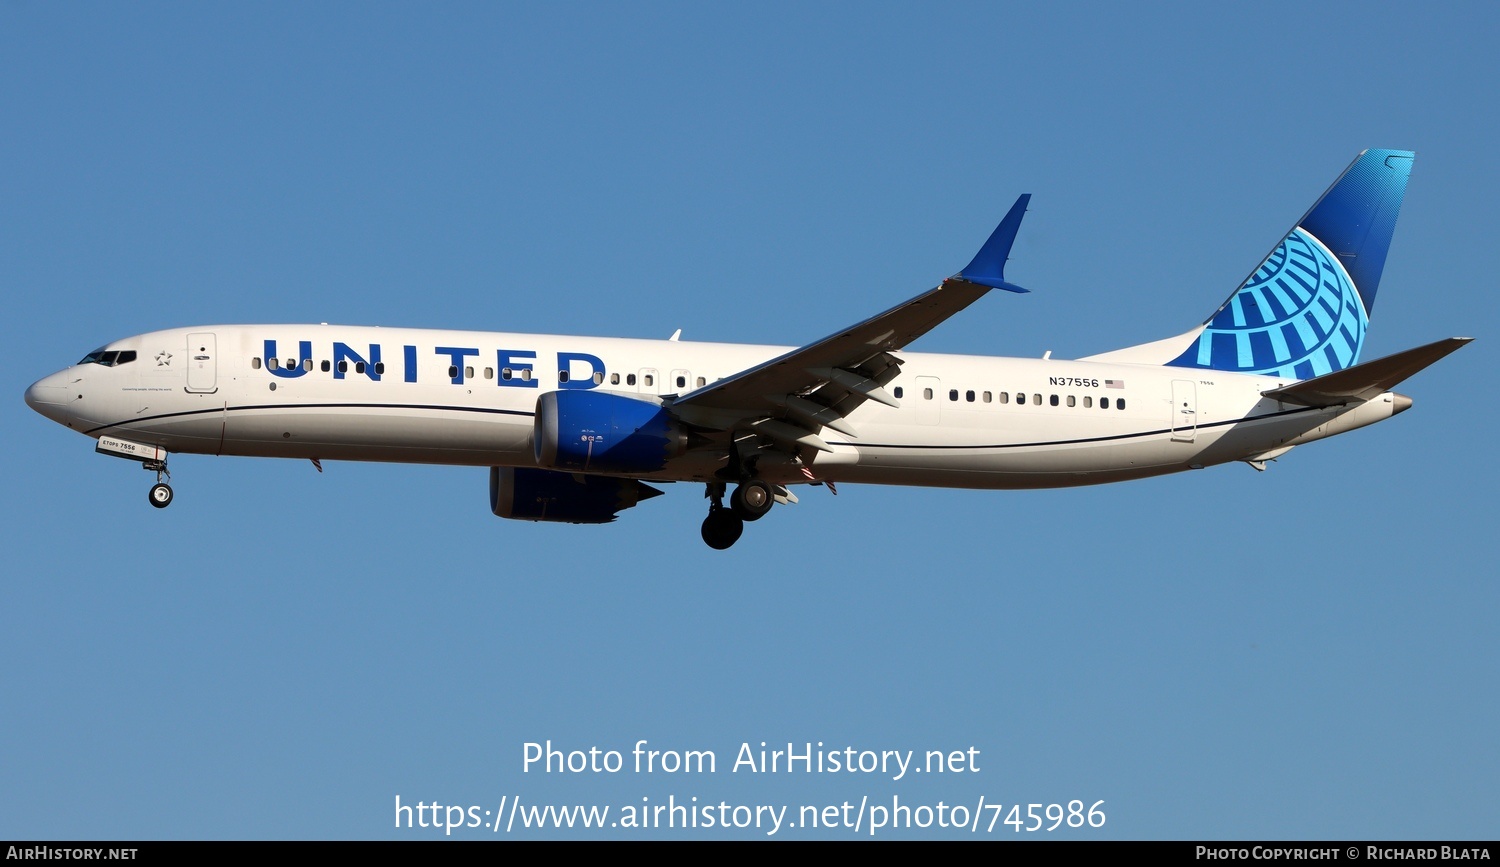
[160, 494]
[722, 527]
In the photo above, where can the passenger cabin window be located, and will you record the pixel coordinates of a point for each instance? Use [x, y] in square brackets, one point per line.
[614, 379]
[630, 379]
[1088, 402]
[986, 397]
[969, 396]
[343, 367]
[702, 382]
[326, 366]
[307, 364]
[489, 372]
[359, 367]
[598, 377]
[899, 392]
[1120, 403]
[1021, 397]
[648, 380]
[927, 394]
[453, 371]
[506, 373]
[1072, 401]
[562, 376]
[272, 364]
[525, 374]
[1053, 401]
[682, 382]
[953, 394]
[380, 369]
[1005, 397]
[1104, 403]
[255, 363]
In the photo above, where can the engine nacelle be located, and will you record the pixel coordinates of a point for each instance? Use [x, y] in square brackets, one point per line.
[542, 495]
[603, 432]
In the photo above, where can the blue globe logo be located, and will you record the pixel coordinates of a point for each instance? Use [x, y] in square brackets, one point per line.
[1298, 316]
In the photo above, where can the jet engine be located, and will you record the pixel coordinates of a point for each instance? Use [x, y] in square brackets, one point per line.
[603, 432]
[544, 495]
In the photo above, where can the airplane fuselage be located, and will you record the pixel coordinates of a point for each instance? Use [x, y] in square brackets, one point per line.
[331, 392]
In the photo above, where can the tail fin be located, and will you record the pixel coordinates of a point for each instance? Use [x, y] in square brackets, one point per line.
[1304, 310]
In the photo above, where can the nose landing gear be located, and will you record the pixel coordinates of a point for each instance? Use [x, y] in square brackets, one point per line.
[160, 494]
[152, 458]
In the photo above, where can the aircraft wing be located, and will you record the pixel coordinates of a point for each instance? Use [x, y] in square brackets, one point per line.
[792, 397]
[1365, 381]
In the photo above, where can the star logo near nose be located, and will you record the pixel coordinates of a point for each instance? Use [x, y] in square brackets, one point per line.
[164, 359]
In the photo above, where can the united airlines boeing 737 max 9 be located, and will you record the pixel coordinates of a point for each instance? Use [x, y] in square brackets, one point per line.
[572, 428]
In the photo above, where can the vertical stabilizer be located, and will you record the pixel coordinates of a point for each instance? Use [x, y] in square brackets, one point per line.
[1304, 310]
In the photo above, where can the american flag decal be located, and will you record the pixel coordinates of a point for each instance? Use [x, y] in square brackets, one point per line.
[1114, 383]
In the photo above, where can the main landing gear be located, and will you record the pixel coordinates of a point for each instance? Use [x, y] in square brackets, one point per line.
[722, 527]
[751, 500]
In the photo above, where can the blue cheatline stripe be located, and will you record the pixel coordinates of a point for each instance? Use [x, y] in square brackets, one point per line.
[837, 443]
[220, 409]
[1126, 436]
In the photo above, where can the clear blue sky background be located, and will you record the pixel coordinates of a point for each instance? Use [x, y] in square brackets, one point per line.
[1307, 652]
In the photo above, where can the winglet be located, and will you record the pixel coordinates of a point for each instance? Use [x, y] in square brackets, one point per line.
[988, 267]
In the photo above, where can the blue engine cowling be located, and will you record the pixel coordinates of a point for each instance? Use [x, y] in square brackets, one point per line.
[601, 432]
[543, 495]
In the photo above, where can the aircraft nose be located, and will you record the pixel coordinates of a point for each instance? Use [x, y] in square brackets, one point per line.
[49, 396]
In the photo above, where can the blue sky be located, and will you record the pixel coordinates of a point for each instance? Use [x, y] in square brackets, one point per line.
[1304, 653]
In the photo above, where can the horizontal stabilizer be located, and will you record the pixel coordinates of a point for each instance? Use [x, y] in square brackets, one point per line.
[1365, 381]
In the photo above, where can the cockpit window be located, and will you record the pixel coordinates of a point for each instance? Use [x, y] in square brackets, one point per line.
[109, 358]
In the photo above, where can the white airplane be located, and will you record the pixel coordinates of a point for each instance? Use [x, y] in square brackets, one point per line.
[572, 427]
